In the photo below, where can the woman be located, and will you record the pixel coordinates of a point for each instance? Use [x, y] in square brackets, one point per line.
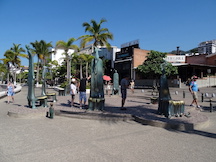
[10, 92]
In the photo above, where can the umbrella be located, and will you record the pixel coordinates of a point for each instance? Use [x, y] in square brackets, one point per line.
[107, 78]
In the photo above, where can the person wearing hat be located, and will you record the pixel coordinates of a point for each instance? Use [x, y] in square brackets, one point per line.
[73, 91]
[193, 88]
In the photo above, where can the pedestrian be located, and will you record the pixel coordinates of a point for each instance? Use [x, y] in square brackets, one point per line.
[124, 85]
[132, 86]
[10, 92]
[193, 88]
[73, 91]
[109, 88]
[82, 91]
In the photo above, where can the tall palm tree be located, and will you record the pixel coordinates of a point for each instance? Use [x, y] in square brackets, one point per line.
[87, 59]
[42, 49]
[98, 35]
[3, 71]
[67, 46]
[13, 59]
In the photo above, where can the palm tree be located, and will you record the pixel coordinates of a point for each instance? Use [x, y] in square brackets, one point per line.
[87, 58]
[3, 71]
[67, 46]
[98, 35]
[42, 49]
[12, 59]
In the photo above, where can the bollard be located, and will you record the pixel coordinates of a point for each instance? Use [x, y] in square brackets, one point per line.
[183, 94]
[202, 98]
[51, 111]
[211, 108]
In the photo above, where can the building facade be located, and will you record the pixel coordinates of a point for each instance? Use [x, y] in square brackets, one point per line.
[207, 47]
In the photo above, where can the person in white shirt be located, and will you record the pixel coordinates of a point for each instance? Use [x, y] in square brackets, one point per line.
[73, 91]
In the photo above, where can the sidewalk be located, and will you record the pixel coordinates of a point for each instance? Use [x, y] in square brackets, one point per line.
[138, 107]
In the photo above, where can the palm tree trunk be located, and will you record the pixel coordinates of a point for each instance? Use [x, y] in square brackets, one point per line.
[81, 75]
[37, 75]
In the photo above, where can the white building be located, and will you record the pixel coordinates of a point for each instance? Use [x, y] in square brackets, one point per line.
[58, 55]
[104, 52]
[207, 47]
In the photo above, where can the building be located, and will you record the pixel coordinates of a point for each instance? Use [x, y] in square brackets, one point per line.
[207, 47]
[58, 55]
[108, 54]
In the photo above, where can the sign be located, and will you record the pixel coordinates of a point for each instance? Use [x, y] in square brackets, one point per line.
[178, 58]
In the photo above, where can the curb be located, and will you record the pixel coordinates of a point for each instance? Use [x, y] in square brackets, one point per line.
[175, 126]
[94, 115]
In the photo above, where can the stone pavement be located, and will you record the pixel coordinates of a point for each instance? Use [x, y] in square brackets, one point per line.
[138, 107]
[33, 137]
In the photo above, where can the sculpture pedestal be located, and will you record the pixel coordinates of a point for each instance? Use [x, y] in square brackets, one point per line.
[171, 108]
[96, 103]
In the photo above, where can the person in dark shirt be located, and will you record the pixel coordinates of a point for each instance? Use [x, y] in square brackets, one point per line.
[82, 91]
[124, 85]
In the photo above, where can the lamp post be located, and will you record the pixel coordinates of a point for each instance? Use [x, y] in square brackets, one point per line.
[209, 72]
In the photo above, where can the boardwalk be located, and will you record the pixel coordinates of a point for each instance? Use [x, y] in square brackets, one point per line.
[70, 139]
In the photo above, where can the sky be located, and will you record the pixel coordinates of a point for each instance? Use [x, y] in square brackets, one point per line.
[160, 25]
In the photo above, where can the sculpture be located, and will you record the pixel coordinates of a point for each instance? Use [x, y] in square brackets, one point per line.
[43, 93]
[96, 99]
[31, 83]
[167, 106]
[115, 83]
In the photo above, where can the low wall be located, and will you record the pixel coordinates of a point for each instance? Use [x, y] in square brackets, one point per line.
[152, 82]
[3, 88]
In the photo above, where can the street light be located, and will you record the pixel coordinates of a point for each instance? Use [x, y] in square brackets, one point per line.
[209, 72]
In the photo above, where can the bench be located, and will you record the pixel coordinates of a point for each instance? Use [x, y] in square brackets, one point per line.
[52, 95]
[42, 100]
[171, 108]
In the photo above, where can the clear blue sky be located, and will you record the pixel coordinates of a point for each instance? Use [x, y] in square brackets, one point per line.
[160, 25]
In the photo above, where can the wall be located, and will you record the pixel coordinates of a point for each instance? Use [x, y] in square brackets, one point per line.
[196, 59]
[139, 57]
[211, 59]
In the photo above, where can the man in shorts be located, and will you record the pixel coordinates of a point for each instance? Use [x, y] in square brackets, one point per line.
[82, 91]
[193, 88]
[124, 85]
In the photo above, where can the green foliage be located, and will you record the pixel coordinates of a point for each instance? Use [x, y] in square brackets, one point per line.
[64, 84]
[98, 35]
[152, 65]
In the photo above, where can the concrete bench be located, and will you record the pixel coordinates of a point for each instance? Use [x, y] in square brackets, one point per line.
[52, 95]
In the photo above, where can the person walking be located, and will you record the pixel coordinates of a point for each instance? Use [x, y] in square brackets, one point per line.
[132, 86]
[82, 91]
[124, 85]
[193, 88]
[73, 91]
[10, 92]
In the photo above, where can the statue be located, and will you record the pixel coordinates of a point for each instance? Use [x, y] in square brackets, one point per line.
[115, 83]
[43, 93]
[31, 81]
[96, 100]
[167, 106]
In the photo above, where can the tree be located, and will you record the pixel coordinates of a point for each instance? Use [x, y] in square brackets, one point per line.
[152, 65]
[13, 60]
[3, 71]
[98, 35]
[66, 46]
[42, 49]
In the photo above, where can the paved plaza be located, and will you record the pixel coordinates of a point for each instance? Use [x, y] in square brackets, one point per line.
[28, 135]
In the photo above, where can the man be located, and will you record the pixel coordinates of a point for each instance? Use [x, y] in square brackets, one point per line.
[124, 85]
[193, 88]
[82, 91]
